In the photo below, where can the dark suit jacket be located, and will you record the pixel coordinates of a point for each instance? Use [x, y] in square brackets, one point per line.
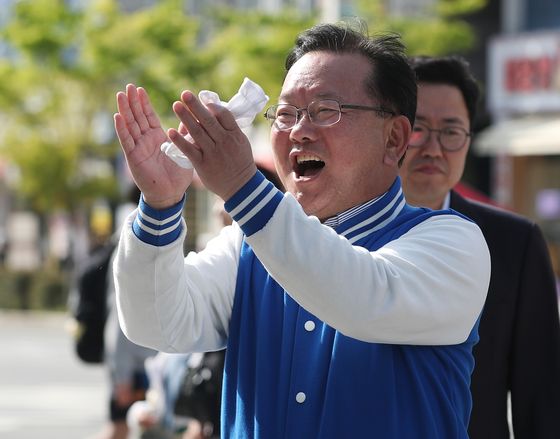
[519, 348]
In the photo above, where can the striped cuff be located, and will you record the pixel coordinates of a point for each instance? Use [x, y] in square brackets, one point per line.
[158, 227]
[254, 204]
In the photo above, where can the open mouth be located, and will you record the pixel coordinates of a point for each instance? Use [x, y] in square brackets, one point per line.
[308, 165]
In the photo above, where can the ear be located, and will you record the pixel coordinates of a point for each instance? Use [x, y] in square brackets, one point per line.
[396, 142]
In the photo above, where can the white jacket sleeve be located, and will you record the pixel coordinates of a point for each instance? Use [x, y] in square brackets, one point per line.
[427, 287]
[172, 303]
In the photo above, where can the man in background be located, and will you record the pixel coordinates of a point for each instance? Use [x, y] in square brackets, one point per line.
[519, 348]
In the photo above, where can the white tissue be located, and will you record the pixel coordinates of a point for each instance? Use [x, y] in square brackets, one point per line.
[245, 105]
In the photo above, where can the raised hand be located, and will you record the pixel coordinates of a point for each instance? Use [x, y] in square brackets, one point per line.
[140, 133]
[220, 151]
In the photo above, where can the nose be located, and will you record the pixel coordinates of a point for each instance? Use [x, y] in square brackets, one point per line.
[303, 130]
[432, 147]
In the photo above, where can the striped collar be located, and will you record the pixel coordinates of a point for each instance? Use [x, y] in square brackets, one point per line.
[360, 221]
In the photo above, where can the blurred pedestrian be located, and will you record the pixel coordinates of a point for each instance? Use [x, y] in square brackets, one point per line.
[123, 359]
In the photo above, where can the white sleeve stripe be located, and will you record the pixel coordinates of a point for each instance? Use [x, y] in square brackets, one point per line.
[249, 215]
[155, 232]
[156, 222]
[250, 198]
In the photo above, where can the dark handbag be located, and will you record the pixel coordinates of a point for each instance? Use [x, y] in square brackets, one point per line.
[201, 391]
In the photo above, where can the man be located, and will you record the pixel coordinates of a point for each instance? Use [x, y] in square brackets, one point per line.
[519, 348]
[345, 312]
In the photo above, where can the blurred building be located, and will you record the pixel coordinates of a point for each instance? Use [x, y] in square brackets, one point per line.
[522, 104]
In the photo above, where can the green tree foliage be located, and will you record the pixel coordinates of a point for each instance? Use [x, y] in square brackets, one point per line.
[439, 29]
[57, 90]
[250, 44]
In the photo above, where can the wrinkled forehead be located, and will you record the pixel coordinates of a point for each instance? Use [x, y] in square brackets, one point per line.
[326, 75]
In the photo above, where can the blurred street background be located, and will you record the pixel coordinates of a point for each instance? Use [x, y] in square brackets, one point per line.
[46, 392]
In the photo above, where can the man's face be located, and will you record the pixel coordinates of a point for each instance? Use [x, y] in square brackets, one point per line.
[428, 172]
[349, 155]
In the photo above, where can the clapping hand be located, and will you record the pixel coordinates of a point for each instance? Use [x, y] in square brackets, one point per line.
[219, 150]
[140, 133]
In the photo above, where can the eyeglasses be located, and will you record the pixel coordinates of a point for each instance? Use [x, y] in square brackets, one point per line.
[450, 138]
[323, 113]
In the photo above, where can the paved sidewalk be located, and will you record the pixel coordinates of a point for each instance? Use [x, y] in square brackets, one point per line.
[45, 391]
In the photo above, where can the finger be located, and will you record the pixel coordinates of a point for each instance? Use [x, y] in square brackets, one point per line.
[124, 110]
[190, 149]
[192, 125]
[151, 115]
[125, 139]
[183, 129]
[136, 107]
[205, 119]
[224, 117]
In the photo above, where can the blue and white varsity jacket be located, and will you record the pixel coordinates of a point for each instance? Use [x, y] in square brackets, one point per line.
[364, 329]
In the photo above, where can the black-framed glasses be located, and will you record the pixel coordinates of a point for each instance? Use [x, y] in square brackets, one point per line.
[450, 138]
[323, 113]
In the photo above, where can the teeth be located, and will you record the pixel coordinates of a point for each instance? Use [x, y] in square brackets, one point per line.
[307, 158]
